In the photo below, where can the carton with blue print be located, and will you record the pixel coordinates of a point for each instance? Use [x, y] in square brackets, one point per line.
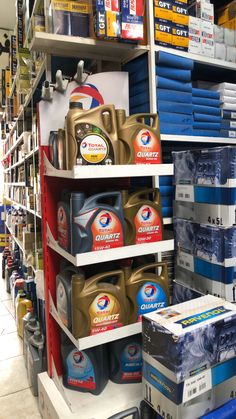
[189, 357]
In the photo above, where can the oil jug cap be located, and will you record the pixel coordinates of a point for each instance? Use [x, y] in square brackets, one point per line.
[77, 105]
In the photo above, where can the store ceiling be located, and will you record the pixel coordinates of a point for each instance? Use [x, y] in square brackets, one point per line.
[7, 14]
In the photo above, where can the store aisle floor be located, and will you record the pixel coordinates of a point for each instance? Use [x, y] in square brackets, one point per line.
[16, 399]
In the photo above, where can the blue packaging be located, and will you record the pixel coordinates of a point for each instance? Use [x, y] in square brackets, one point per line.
[167, 211]
[227, 133]
[173, 73]
[228, 124]
[166, 83]
[206, 118]
[134, 65]
[214, 166]
[176, 118]
[139, 99]
[140, 109]
[206, 102]
[228, 114]
[209, 110]
[206, 133]
[165, 180]
[207, 125]
[139, 76]
[167, 190]
[206, 93]
[181, 293]
[135, 89]
[166, 201]
[174, 96]
[207, 250]
[171, 60]
[175, 129]
[175, 107]
[202, 284]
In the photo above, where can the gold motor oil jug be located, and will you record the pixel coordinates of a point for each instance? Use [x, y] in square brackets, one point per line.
[98, 303]
[145, 290]
[143, 216]
[139, 143]
[91, 136]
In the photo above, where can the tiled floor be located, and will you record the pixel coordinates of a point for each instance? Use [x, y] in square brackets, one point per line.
[16, 399]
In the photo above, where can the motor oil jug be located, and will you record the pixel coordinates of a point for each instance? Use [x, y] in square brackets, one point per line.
[57, 149]
[85, 371]
[91, 140]
[146, 291]
[63, 293]
[36, 360]
[5, 255]
[22, 304]
[143, 216]
[125, 360]
[98, 303]
[91, 224]
[139, 143]
[28, 330]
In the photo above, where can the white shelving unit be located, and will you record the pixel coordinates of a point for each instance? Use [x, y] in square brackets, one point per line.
[18, 242]
[75, 46]
[201, 59]
[119, 171]
[89, 258]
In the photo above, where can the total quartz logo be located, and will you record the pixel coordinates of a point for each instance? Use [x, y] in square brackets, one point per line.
[146, 213]
[150, 291]
[146, 138]
[78, 357]
[103, 302]
[105, 219]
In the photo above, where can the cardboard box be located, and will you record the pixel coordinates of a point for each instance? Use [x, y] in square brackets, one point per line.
[180, 37]
[182, 293]
[180, 14]
[163, 10]
[229, 37]
[202, 10]
[187, 338]
[227, 13]
[231, 54]
[219, 165]
[220, 51]
[204, 285]
[163, 33]
[219, 34]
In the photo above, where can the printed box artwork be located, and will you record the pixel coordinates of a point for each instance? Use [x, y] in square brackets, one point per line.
[189, 357]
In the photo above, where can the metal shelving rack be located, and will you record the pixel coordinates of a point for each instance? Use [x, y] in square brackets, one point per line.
[59, 402]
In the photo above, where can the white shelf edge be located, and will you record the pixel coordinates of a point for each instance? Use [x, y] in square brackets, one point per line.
[85, 47]
[18, 242]
[167, 220]
[15, 183]
[114, 399]
[18, 141]
[195, 139]
[99, 338]
[116, 171]
[90, 258]
[198, 58]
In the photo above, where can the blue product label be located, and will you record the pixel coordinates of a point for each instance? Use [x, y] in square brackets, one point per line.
[131, 362]
[150, 297]
[80, 370]
[202, 317]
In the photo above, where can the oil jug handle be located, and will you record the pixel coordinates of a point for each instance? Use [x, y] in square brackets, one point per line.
[95, 199]
[140, 117]
[111, 110]
[97, 278]
[157, 195]
[72, 269]
[163, 265]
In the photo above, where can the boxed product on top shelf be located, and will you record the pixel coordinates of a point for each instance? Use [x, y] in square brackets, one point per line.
[189, 357]
[116, 20]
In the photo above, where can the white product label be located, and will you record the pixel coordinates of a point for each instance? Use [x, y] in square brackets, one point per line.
[233, 115]
[232, 124]
[232, 134]
[185, 261]
[184, 193]
[197, 385]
